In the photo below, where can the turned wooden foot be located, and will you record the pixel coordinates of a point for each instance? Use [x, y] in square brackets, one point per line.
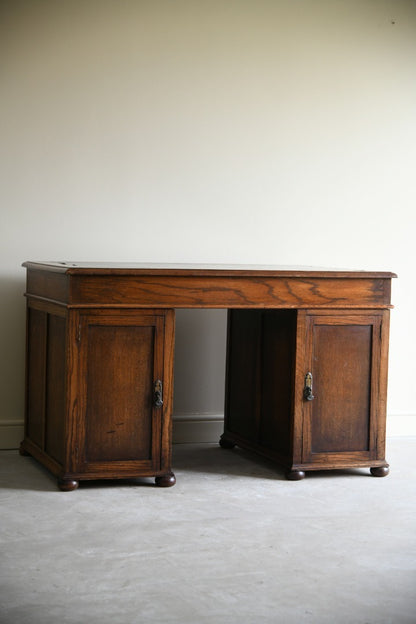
[380, 471]
[67, 485]
[295, 475]
[166, 480]
[226, 444]
[23, 452]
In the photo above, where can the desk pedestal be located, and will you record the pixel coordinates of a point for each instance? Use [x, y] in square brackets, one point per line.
[307, 388]
[99, 393]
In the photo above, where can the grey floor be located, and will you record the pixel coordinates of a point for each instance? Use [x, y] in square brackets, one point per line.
[232, 542]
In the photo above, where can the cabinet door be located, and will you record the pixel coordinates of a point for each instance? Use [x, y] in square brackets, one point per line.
[344, 422]
[123, 360]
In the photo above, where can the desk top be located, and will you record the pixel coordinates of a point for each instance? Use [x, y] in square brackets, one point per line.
[119, 285]
[201, 270]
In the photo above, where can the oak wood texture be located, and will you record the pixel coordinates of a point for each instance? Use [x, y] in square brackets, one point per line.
[83, 285]
[99, 335]
[121, 356]
[341, 423]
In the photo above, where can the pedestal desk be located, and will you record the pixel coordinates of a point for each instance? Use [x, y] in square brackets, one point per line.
[306, 375]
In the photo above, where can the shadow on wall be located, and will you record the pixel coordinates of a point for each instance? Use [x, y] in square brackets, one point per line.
[200, 346]
[12, 352]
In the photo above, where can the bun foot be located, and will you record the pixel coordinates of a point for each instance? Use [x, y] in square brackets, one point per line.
[226, 444]
[380, 471]
[295, 475]
[166, 480]
[67, 485]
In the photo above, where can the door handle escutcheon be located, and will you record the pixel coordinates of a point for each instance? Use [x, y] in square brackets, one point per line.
[158, 394]
[308, 388]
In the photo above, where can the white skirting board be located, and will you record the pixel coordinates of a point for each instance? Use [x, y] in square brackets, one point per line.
[206, 428]
[201, 428]
[194, 428]
[11, 434]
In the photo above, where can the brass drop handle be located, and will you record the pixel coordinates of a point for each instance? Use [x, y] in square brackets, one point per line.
[158, 394]
[308, 388]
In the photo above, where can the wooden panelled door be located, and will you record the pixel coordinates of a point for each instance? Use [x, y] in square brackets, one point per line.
[123, 393]
[345, 388]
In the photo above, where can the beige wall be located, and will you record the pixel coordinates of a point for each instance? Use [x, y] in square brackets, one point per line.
[266, 131]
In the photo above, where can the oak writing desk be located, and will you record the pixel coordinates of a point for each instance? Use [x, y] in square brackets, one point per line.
[306, 375]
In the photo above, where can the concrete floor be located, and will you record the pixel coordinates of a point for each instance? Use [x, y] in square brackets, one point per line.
[232, 542]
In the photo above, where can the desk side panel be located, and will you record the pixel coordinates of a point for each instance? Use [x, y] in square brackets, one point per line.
[243, 377]
[278, 349]
[260, 377]
[49, 285]
[45, 385]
